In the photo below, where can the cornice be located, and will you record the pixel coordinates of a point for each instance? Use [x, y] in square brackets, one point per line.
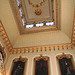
[73, 31]
[32, 49]
[5, 37]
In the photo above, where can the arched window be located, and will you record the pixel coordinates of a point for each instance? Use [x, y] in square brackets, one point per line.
[41, 65]
[66, 66]
[18, 67]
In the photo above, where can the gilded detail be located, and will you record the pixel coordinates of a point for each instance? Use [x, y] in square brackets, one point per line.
[38, 12]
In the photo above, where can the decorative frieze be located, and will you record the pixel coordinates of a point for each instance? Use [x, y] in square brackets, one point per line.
[73, 31]
[43, 48]
[4, 36]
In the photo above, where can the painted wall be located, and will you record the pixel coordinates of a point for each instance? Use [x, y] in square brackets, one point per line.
[8, 20]
[42, 38]
[67, 16]
[30, 64]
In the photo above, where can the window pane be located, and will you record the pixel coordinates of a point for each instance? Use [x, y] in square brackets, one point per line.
[39, 24]
[20, 11]
[49, 23]
[29, 26]
[17, 2]
[23, 22]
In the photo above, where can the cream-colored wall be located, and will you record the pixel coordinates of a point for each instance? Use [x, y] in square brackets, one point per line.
[42, 38]
[67, 16]
[8, 20]
[30, 66]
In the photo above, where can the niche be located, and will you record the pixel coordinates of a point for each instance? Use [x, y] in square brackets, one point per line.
[41, 65]
[66, 66]
[18, 67]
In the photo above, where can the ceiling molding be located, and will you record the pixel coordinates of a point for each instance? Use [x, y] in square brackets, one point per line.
[43, 48]
[73, 31]
[50, 11]
[53, 47]
[54, 13]
[5, 37]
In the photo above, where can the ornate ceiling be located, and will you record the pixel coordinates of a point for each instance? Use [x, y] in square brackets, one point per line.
[35, 42]
[32, 12]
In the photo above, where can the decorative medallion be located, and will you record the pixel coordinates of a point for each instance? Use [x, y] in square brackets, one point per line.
[38, 12]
